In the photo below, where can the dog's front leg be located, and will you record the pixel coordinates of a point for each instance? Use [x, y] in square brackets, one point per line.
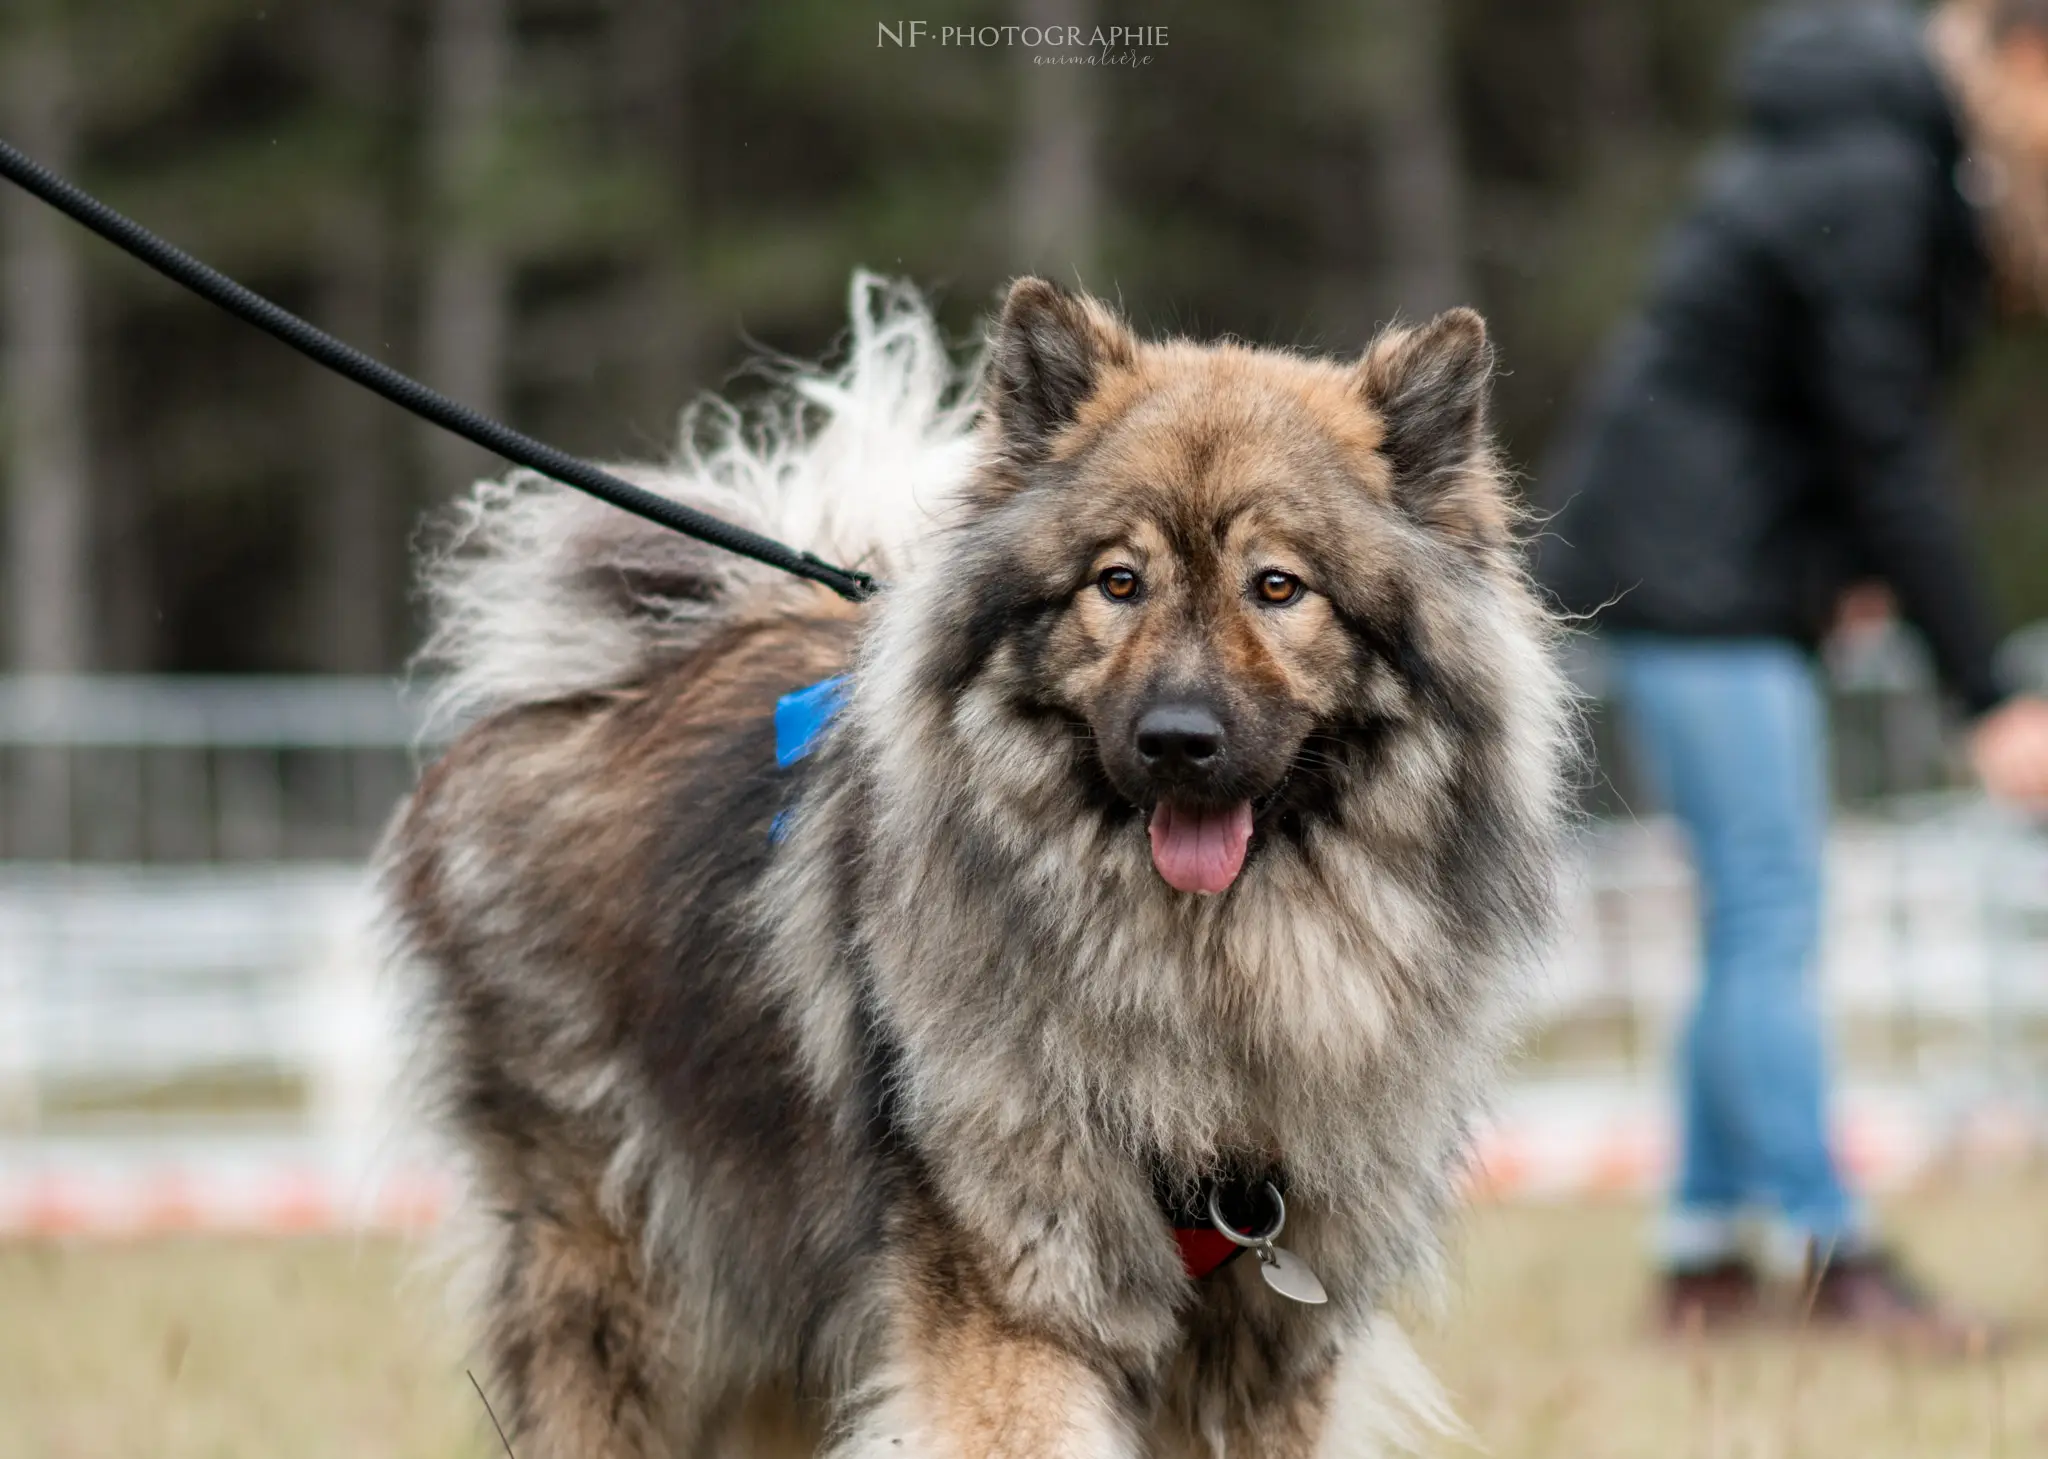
[577, 1344]
[967, 1383]
[1033, 1293]
[1242, 1388]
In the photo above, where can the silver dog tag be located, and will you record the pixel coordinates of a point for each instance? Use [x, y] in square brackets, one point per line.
[1282, 1270]
[1290, 1276]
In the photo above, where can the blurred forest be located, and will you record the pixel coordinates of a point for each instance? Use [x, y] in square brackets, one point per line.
[579, 213]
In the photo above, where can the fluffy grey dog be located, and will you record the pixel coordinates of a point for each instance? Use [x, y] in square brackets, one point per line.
[885, 1087]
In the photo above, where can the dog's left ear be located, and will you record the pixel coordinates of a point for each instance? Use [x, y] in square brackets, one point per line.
[1047, 357]
[1430, 387]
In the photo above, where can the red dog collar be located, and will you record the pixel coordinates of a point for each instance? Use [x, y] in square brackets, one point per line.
[1204, 1249]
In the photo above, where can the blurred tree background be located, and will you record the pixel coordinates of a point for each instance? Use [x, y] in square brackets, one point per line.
[579, 213]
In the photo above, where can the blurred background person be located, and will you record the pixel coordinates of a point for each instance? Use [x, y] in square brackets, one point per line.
[1762, 449]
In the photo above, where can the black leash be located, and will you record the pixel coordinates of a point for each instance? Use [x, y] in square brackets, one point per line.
[407, 393]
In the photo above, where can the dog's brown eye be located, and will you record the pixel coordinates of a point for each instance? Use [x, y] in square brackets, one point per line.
[1278, 587]
[1119, 583]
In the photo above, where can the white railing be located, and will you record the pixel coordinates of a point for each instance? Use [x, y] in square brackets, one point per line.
[221, 1036]
[136, 769]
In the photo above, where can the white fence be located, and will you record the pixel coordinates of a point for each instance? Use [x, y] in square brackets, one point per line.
[124, 770]
[1935, 957]
[211, 1046]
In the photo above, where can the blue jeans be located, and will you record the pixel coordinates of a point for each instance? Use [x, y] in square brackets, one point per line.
[1732, 735]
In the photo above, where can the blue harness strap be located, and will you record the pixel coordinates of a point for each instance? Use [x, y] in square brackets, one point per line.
[800, 717]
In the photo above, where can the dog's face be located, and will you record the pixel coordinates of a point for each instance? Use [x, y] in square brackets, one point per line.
[1204, 560]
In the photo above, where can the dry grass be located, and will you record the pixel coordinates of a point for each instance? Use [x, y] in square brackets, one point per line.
[207, 1349]
[1546, 1348]
[232, 1350]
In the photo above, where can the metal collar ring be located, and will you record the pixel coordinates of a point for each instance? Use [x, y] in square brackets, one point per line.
[1263, 1239]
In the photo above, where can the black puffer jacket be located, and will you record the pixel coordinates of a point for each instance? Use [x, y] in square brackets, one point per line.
[1767, 431]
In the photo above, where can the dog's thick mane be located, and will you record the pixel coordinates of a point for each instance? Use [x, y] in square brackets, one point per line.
[536, 593]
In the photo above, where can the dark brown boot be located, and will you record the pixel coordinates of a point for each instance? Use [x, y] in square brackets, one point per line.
[1869, 1293]
[1700, 1300]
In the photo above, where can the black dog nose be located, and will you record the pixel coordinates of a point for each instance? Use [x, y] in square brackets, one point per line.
[1179, 737]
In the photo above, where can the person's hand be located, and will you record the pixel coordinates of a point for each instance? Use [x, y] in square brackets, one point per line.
[2009, 748]
[1863, 611]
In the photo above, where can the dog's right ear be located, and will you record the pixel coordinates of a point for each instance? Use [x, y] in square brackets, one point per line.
[1047, 357]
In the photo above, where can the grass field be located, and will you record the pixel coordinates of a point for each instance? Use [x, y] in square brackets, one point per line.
[208, 1349]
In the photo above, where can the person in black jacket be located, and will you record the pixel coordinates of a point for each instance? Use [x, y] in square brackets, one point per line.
[1764, 438]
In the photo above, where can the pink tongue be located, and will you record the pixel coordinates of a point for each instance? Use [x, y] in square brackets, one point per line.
[1200, 851]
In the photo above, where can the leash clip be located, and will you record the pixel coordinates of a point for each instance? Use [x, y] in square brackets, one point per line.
[1281, 1269]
